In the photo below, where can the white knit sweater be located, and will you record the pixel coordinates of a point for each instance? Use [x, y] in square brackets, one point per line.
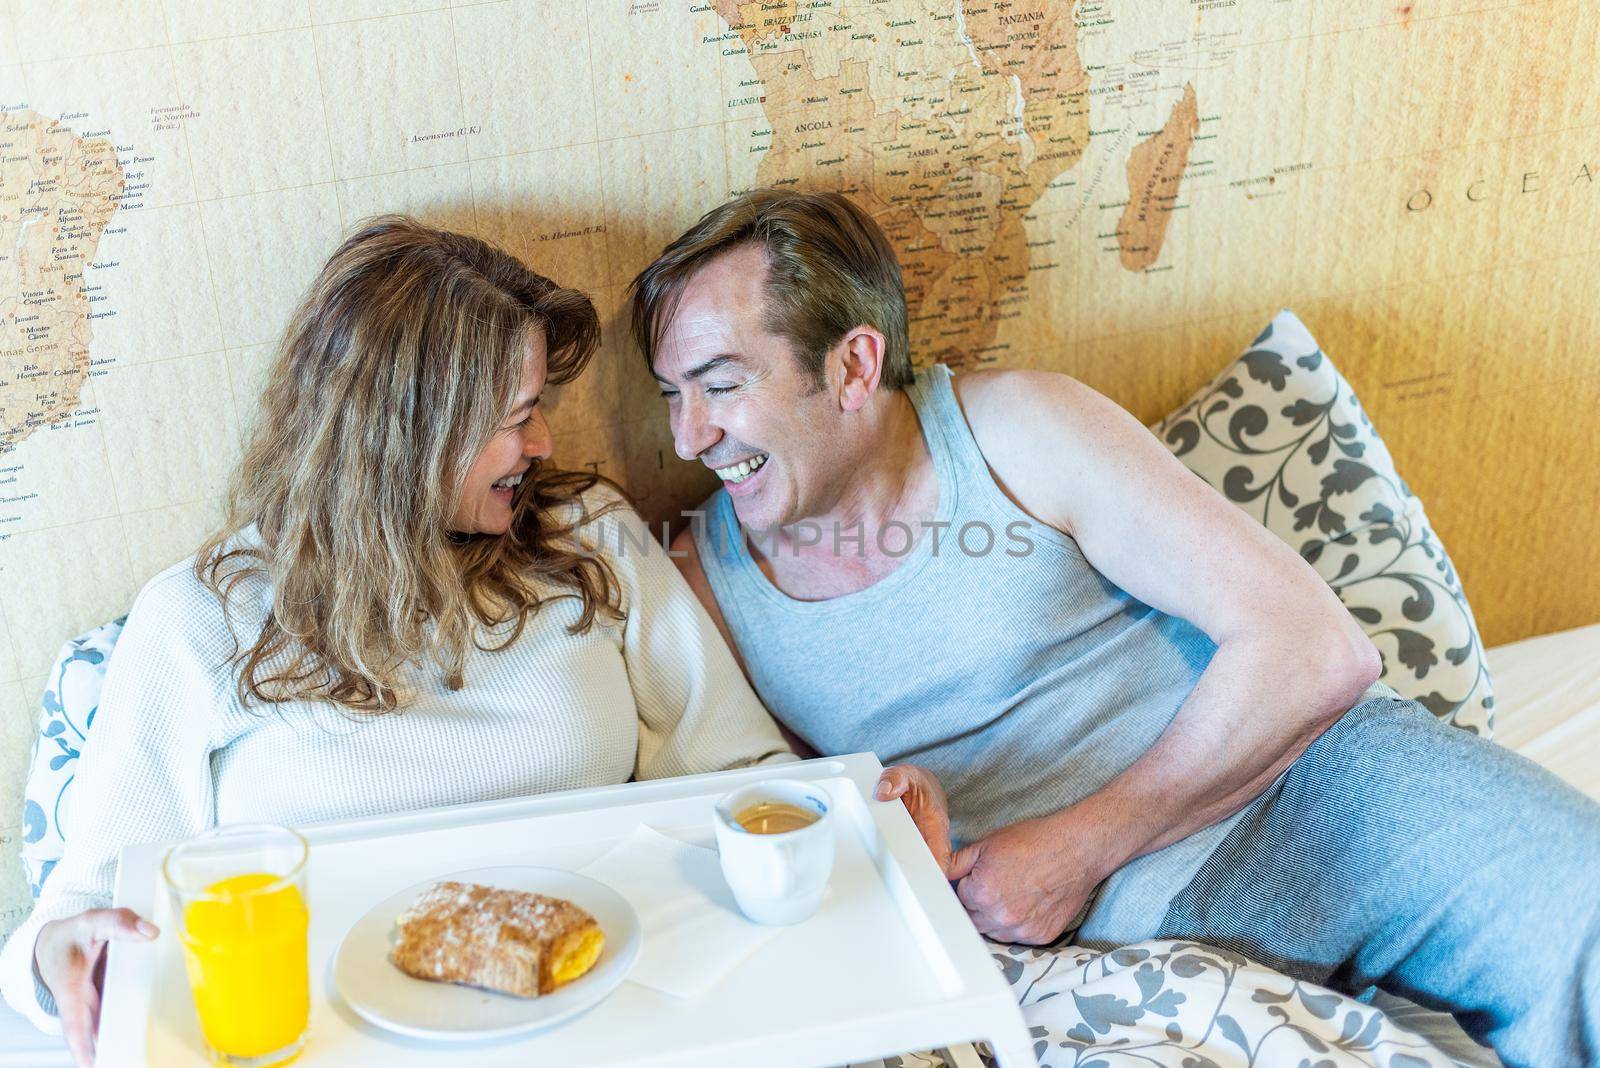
[172, 751]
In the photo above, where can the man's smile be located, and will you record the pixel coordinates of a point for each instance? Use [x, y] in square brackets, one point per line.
[739, 471]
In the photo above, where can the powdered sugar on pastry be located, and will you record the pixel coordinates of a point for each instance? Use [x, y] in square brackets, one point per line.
[514, 941]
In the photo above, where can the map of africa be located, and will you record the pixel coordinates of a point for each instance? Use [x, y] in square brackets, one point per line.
[1126, 190]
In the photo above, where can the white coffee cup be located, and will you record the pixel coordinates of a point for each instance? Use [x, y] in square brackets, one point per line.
[777, 878]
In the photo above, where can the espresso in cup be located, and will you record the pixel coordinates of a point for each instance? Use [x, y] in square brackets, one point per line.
[775, 842]
[774, 817]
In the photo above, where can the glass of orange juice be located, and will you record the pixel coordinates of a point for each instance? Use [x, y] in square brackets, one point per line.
[239, 895]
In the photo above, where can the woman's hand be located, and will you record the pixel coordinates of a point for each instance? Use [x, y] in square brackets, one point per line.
[70, 958]
[924, 798]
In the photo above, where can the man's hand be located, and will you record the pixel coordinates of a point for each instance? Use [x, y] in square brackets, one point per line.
[69, 955]
[1028, 882]
[924, 798]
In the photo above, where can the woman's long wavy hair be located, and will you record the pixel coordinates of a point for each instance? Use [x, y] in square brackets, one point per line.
[396, 370]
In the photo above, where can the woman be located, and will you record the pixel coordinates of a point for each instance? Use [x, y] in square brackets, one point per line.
[404, 607]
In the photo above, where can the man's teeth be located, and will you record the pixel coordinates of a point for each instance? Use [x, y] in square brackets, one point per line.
[509, 482]
[741, 470]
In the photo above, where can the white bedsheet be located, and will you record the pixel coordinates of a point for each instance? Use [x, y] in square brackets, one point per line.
[1547, 702]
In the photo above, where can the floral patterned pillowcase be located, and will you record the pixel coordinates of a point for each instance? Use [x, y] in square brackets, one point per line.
[1177, 1004]
[71, 698]
[1281, 434]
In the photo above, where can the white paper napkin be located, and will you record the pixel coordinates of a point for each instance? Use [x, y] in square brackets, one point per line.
[694, 933]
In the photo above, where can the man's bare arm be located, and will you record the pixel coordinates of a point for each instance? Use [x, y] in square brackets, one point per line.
[1289, 658]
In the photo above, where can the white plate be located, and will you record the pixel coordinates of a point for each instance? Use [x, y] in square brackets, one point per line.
[384, 995]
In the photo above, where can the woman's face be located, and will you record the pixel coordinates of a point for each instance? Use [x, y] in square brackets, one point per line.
[522, 438]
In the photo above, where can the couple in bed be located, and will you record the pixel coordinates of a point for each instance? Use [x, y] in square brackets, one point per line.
[1114, 704]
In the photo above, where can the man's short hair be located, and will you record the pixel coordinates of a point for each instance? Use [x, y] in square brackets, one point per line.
[830, 269]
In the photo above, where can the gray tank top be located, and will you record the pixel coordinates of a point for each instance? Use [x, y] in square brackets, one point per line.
[995, 655]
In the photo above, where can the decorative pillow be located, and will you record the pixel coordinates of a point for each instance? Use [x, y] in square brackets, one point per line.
[67, 710]
[1281, 434]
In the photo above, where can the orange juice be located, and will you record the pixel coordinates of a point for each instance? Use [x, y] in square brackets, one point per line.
[245, 949]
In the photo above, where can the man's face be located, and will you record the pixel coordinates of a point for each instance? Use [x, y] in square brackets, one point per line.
[738, 399]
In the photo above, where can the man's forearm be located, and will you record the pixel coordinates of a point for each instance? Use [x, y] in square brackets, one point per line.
[1258, 705]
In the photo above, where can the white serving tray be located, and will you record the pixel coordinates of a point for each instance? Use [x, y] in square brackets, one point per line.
[890, 963]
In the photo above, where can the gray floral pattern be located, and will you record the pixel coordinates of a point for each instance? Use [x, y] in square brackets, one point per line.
[1282, 435]
[1169, 1003]
[1180, 1004]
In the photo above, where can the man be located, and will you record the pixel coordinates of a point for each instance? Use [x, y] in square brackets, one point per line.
[1122, 682]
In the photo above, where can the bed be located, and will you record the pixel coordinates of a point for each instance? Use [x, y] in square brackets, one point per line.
[1548, 707]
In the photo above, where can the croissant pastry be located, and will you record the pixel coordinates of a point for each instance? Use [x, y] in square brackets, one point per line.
[513, 941]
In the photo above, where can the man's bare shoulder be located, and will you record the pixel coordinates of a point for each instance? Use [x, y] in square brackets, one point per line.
[1000, 400]
[1053, 443]
[1032, 427]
